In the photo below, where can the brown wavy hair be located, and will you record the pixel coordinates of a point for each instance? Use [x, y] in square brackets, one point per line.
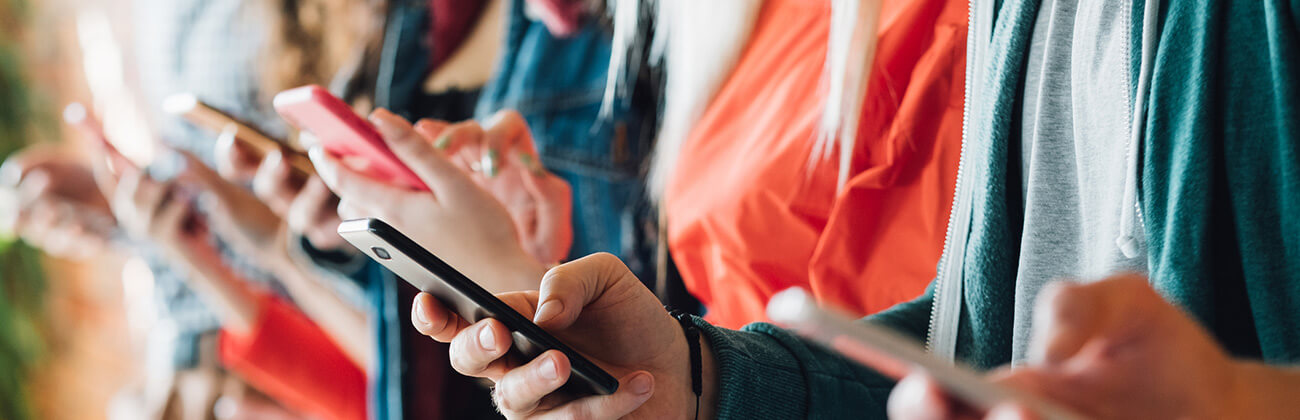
[310, 41]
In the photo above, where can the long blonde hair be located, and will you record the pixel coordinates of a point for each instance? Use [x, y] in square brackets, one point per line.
[697, 43]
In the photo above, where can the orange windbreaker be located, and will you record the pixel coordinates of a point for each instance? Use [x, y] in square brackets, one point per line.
[750, 213]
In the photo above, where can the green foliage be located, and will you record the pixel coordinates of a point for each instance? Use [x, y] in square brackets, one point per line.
[22, 282]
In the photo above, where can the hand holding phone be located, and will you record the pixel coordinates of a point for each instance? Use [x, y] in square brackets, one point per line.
[195, 111]
[428, 273]
[896, 355]
[344, 134]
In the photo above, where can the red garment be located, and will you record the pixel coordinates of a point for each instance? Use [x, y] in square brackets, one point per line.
[562, 17]
[289, 358]
[450, 23]
[747, 214]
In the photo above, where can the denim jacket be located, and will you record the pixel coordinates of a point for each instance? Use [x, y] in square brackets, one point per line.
[558, 86]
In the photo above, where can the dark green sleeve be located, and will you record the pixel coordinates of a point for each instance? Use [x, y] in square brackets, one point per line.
[765, 372]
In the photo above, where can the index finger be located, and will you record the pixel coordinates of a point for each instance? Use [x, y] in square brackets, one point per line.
[234, 159]
[508, 131]
[352, 186]
[416, 152]
[431, 318]
[507, 134]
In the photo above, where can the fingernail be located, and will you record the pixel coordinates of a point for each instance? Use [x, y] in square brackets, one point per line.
[316, 153]
[10, 175]
[547, 311]
[548, 370]
[378, 116]
[418, 312]
[531, 164]
[487, 339]
[273, 159]
[324, 168]
[442, 142]
[490, 162]
[1007, 412]
[640, 385]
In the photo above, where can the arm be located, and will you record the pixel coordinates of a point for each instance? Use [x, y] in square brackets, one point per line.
[345, 323]
[764, 369]
[254, 229]
[601, 309]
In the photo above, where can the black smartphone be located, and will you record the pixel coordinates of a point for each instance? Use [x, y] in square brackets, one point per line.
[431, 274]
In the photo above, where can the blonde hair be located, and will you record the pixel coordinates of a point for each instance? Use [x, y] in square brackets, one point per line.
[697, 43]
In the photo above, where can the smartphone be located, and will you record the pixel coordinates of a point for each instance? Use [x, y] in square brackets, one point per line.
[188, 106]
[896, 355]
[428, 273]
[344, 134]
[76, 115]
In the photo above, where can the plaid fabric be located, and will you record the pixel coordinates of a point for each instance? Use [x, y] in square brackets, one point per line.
[209, 48]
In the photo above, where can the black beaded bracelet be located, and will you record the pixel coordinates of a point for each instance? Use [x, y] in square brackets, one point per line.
[693, 344]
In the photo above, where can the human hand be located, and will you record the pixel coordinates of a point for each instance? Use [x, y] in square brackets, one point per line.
[1113, 349]
[243, 221]
[307, 206]
[164, 214]
[502, 158]
[457, 219]
[597, 307]
[55, 205]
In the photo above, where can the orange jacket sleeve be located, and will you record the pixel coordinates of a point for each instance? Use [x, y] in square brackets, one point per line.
[288, 357]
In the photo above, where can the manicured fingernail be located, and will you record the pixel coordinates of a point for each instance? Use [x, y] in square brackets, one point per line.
[549, 310]
[489, 163]
[487, 339]
[640, 385]
[548, 370]
[442, 142]
[531, 164]
[418, 312]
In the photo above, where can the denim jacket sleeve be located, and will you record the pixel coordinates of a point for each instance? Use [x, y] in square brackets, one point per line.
[765, 372]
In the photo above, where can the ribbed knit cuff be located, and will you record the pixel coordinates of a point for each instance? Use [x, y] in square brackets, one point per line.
[757, 376]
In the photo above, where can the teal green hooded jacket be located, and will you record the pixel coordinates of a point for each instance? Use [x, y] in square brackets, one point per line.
[1219, 195]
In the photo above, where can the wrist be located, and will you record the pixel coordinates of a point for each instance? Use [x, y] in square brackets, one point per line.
[709, 380]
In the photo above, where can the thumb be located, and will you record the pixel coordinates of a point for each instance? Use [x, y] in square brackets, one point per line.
[568, 288]
[1067, 316]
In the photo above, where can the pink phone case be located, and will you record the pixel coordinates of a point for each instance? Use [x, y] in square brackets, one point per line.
[344, 134]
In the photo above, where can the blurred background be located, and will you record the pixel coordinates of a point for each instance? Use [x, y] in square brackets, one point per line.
[63, 326]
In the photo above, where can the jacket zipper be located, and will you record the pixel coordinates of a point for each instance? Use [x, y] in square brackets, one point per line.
[949, 270]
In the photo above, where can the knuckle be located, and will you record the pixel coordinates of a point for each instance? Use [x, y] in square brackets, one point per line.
[580, 412]
[506, 402]
[464, 355]
[606, 258]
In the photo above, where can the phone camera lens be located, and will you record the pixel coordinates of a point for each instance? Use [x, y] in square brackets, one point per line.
[381, 253]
